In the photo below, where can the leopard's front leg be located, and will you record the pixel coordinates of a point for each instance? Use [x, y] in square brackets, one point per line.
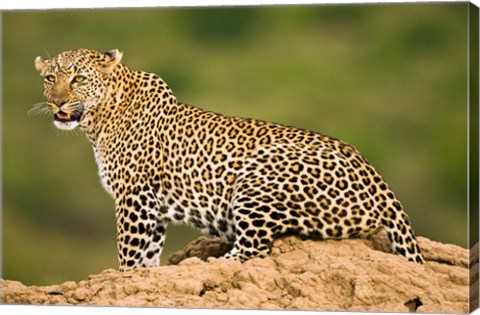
[140, 235]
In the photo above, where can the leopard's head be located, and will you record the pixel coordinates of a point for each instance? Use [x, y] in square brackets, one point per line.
[75, 81]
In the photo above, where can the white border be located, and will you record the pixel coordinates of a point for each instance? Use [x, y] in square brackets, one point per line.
[90, 310]
[70, 4]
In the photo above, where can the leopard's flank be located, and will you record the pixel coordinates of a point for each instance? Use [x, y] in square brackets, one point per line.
[244, 180]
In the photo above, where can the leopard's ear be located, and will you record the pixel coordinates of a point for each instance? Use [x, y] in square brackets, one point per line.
[109, 60]
[41, 64]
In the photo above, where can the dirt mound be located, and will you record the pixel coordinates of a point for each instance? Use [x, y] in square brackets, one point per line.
[353, 275]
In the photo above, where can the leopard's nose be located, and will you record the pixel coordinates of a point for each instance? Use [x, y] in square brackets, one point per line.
[59, 103]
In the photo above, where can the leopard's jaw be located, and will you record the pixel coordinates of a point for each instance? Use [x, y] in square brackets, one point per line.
[65, 125]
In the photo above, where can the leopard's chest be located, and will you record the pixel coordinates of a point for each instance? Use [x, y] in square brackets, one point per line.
[104, 172]
[127, 154]
[114, 162]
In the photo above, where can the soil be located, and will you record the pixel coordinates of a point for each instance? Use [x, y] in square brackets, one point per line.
[347, 275]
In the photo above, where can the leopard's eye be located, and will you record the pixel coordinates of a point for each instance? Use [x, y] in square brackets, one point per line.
[50, 78]
[78, 79]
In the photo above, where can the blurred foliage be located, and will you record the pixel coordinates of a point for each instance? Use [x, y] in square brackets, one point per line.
[389, 79]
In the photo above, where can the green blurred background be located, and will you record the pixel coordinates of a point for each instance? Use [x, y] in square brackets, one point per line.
[389, 79]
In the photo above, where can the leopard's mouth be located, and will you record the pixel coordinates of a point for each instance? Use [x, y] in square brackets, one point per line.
[68, 120]
[62, 116]
[75, 115]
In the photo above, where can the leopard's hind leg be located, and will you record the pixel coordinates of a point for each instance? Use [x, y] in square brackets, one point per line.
[400, 233]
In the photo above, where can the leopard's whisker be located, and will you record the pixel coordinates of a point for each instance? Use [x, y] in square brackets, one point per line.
[39, 109]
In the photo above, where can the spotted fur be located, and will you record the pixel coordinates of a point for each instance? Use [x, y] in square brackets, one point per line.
[244, 180]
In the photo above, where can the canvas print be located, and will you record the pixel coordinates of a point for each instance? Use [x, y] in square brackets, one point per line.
[295, 157]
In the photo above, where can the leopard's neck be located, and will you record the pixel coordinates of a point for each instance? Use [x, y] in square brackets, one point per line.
[125, 98]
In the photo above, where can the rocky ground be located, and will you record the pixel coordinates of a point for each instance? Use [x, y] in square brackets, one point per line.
[352, 275]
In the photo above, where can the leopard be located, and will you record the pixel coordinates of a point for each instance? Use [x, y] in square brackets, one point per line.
[243, 180]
